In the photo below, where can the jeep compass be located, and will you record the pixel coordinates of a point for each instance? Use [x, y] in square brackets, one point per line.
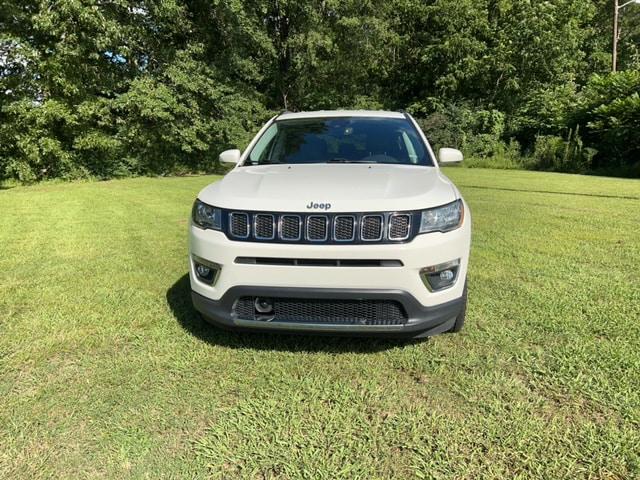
[336, 222]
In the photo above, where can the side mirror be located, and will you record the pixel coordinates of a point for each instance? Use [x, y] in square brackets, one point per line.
[230, 156]
[449, 155]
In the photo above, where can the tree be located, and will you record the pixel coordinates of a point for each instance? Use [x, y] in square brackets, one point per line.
[94, 88]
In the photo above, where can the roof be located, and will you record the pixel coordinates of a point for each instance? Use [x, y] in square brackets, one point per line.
[340, 113]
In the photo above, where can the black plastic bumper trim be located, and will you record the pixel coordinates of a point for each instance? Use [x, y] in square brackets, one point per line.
[423, 321]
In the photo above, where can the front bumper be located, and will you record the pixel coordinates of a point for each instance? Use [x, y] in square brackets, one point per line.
[422, 321]
[423, 251]
[428, 312]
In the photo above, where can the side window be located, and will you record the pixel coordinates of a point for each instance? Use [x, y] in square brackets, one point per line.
[263, 147]
[413, 156]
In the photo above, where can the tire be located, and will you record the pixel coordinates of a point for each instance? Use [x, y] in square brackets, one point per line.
[457, 326]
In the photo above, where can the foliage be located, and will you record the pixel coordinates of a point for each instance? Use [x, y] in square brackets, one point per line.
[114, 90]
[560, 155]
[107, 89]
[478, 133]
[500, 162]
[609, 110]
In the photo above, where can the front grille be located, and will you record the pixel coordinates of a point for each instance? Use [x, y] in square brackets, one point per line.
[372, 227]
[399, 227]
[264, 226]
[239, 224]
[317, 228]
[344, 228]
[290, 227]
[320, 228]
[326, 311]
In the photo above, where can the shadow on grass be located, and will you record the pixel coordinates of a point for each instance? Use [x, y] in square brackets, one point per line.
[576, 194]
[179, 300]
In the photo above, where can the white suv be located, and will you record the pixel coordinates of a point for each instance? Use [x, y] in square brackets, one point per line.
[333, 222]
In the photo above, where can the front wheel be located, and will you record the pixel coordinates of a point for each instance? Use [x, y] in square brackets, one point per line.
[463, 313]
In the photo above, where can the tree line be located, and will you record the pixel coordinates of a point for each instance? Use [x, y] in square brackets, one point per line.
[110, 88]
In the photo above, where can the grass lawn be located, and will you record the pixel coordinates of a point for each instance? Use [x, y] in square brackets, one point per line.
[106, 371]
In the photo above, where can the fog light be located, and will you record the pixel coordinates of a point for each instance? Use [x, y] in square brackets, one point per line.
[447, 275]
[206, 271]
[203, 271]
[440, 277]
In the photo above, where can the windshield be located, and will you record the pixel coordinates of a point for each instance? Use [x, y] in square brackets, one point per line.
[340, 140]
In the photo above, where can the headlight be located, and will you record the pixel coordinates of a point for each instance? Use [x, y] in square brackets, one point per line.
[206, 216]
[442, 219]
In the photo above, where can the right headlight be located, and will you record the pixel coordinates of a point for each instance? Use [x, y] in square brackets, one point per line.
[442, 219]
[206, 216]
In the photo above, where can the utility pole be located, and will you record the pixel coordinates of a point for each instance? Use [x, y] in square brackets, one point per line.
[616, 12]
[616, 31]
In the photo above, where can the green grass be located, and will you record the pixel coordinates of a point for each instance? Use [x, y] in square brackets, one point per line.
[106, 371]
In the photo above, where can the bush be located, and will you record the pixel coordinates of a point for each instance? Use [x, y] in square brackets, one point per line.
[498, 162]
[37, 138]
[556, 154]
[477, 132]
[609, 117]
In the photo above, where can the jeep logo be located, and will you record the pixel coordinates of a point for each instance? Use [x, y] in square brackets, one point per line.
[318, 206]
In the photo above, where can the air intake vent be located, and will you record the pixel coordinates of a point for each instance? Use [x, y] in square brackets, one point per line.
[399, 226]
[290, 227]
[264, 226]
[239, 224]
[317, 228]
[326, 311]
[344, 228]
[371, 228]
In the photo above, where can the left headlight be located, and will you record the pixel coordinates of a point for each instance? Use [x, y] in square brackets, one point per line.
[206, 216]
[442, 219]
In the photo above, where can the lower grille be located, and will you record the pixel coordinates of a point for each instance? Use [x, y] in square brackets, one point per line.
[325, 311]
[318, 262]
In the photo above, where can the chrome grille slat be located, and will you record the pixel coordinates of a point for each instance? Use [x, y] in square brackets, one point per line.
[239, 224]
[290, 228]
[399, 226]
[371, 228]
[317, 228]
[264, 226]
[344, 228]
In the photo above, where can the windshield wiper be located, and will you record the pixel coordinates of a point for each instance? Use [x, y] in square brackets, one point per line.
[266, 162]
[346, 160]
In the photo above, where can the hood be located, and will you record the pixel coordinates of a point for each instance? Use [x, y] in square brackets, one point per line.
[330, 187]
